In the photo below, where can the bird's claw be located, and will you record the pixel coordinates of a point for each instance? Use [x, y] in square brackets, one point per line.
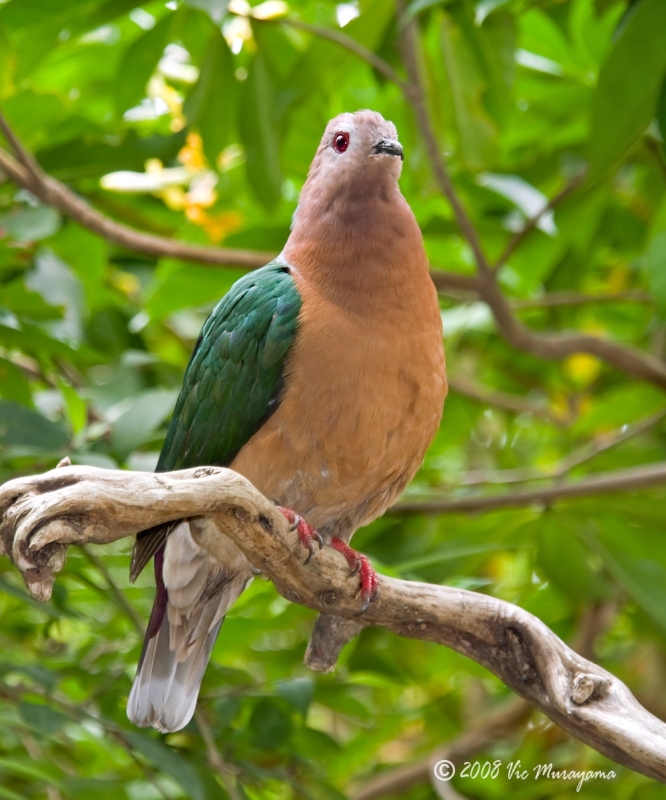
[306, 533]
[360, 565]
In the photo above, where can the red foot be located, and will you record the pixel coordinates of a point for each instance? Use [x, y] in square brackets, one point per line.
[306, 533]
[360, 565]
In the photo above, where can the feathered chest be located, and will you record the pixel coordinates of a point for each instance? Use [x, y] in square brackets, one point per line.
[364, 391]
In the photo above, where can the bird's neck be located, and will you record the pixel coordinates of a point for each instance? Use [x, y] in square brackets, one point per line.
[357, 246]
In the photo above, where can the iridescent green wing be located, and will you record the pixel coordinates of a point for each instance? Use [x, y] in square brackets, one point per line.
[233, 381]
[234, 376]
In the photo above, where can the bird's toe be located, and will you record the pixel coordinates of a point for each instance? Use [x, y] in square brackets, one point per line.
[361, 566]
[306, 533]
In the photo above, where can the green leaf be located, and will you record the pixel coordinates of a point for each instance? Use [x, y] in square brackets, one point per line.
[270, 725]
[28, 224]
[477, 135]
[260, 135]
[145, 414]
[525, 197]
[23, 428]
[42, 718]
[14, 384]
[484, 8]
[139, 63]
[8, 794]
[45, 609]
[655, 265]
[29, 769]
[58, 286]
[417, 7]
[77, 411]
[661, 117]
[630, 80]
[168, 761]
[211, 106]
[216, 9]
[632, 562]
[297, 692]
[31, 115]
[177, 284]
[542, 36]
[87, 788]
[84, 252]
[565, 561]
[104, 13]
[81, 158]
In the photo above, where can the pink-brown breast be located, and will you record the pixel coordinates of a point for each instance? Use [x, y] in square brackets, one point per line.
[365, 387]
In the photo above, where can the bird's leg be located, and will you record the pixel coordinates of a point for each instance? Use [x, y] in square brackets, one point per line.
[360, 565]
[306, 533]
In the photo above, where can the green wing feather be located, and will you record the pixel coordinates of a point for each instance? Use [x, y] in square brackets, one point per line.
[232, 383]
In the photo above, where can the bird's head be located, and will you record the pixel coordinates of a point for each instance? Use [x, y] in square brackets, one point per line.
[357, 146]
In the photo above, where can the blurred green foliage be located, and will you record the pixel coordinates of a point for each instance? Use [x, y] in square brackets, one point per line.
[188, 120]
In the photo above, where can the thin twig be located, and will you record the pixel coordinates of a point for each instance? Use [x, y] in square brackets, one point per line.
[118, 594]
[461, 384]
[444, 280]
[556, 346]
[497, 725]
[345, 41]
[566, 298]
[594, 621]
[552, 346]
[464, 288]
[532, 222]
[54, 193]
[80, 714]
[565, 465]
[215, 759]
[416, 96]
[24, 156]
[632, 479]
[656, 149]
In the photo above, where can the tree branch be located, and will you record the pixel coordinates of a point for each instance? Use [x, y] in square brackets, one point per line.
[79, 713]
[556, 346]
[216, 762]
[416, 96]
[565, 465]
[347, 43]
[492, 727]
[532, 222]
[463, 385]
[552, 346]
[567, 298]
[40, 516]
[54, 193]
[548, 346]
[616, 481]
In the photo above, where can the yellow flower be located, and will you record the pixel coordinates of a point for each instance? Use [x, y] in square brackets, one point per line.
[581, 368]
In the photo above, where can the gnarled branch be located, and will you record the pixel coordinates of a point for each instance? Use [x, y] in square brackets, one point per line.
[40, 516]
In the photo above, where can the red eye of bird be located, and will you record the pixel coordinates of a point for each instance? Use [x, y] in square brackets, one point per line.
[340, 142]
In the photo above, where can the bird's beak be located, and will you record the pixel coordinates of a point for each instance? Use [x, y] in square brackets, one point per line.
[390, 147]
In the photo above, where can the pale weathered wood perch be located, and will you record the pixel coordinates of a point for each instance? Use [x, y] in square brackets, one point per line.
[40, 516]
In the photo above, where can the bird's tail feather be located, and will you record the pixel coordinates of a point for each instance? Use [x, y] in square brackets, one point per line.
[193, 595]
[165, 690]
